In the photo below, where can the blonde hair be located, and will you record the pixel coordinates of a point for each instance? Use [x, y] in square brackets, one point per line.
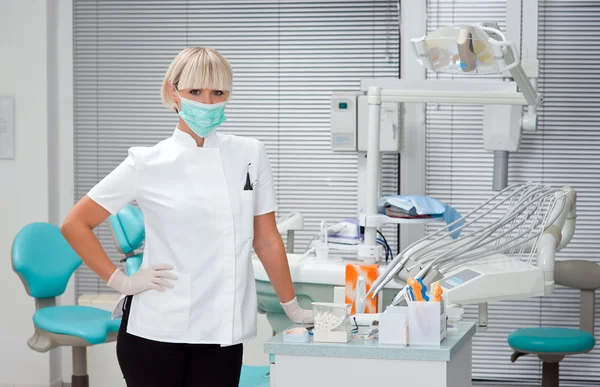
[196, 68]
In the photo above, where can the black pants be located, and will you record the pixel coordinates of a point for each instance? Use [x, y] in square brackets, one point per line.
[148, 363]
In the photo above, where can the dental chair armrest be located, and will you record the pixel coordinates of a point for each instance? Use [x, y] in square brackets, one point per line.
[291, 221]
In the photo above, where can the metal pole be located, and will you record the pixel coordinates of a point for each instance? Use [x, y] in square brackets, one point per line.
[80, 377]
[373, 160]
[500, 170]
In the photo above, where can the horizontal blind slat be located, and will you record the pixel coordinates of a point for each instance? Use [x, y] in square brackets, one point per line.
[287, 56]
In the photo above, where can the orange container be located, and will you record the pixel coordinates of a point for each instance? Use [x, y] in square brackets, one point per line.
[369, 273]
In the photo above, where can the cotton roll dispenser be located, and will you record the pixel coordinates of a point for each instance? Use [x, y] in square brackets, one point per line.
[332, 322]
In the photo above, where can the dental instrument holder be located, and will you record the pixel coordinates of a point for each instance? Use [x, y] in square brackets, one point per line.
[422, 323]
[332, 322]
[393, 326]
[478, 279]
[426, 323]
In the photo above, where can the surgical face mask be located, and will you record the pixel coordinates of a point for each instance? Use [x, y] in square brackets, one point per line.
[200, 117]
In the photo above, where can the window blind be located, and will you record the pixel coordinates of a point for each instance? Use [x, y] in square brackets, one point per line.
[563, 151]
[287, 57]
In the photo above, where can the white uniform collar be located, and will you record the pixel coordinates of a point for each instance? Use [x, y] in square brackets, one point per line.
[188, 141]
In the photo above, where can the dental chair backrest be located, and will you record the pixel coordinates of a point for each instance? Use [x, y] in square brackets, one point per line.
[583, 275]
[127, 228]
[44, 261]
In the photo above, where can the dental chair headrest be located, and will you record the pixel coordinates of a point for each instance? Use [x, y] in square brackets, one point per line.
[577, 274]
[127, 228]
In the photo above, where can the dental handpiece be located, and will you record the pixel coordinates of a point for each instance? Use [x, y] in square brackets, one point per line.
[420, 275]
[387, 276]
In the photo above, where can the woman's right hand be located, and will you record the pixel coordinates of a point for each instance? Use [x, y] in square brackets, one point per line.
[153, 277]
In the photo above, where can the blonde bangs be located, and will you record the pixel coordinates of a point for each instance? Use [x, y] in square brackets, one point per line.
[197, 68]
[205, 70]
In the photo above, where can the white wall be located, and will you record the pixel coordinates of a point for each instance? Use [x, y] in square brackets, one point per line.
[36, 69]
[60, 145]
[24, 193]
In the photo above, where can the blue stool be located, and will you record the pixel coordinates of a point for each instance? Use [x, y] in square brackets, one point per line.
[552, 344]
[44, 261]
[254, 376]
[127, 227]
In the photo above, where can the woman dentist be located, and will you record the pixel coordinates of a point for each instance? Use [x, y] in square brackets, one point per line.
[207, 198]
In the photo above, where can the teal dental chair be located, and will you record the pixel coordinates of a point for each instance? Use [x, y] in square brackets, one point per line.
[44, 261]
[552, 344]
[127, 227]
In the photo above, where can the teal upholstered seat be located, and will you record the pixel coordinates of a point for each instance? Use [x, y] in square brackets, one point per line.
[45, 261]
[133, 264]
[128, 231]
[90, 324]
[254, 376]
[128, 228]
[551, 340]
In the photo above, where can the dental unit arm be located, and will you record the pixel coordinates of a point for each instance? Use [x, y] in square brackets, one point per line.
[489, 52]
[495, 261]
[474, 280]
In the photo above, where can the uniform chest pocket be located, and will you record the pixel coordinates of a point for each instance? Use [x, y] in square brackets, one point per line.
[247, 215]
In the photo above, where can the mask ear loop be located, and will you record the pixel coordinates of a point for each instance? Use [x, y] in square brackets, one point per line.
[176, 92]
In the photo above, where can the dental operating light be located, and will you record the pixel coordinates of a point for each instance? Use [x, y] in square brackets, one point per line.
[473, 50]
[459, 49]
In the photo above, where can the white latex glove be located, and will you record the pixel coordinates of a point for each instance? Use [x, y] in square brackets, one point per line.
[142, 280]
[298, 315]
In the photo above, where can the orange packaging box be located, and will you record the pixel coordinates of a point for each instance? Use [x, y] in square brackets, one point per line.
[369, 273]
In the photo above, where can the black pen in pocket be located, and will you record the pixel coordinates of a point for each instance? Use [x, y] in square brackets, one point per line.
[248, 186]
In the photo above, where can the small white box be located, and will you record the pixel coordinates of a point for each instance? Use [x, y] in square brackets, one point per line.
[332, 336]
[426, 323]
[343, 121]
[393, 325]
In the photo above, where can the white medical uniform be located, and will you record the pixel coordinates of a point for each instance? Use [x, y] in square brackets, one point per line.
[198, 218]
